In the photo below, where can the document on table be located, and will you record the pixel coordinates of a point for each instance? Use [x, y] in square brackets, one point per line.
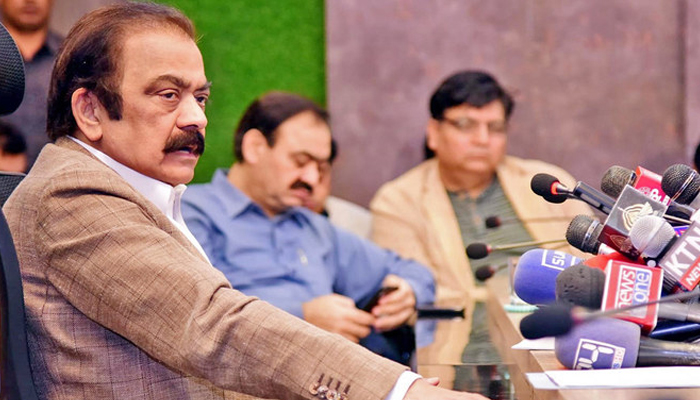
[645, 377]
[537, 344]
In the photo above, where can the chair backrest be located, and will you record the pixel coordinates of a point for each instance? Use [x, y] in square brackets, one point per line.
[8, 183]
[16, 381]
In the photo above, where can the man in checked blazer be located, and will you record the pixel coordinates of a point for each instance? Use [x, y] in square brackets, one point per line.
[121, 301]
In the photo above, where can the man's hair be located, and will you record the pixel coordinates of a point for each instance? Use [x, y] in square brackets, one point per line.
[90, 57]
[473, 88]
[268, 112]
[11, 139]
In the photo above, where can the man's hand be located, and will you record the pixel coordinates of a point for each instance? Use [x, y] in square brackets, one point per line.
[426, 389]
[395, 308]
[338, 314]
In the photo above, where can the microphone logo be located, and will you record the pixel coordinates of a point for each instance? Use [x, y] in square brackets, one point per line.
[634, 288]
[557, 260]
[621, 243]
[682, 261]
[632, 213]
[592, 354]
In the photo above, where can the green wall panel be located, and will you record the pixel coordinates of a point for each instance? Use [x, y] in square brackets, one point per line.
[251, 47]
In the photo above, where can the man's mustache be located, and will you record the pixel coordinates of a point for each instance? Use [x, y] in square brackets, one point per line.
[192, 140]
[302, 185]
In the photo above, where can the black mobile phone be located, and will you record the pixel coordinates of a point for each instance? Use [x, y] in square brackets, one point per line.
[378, 295]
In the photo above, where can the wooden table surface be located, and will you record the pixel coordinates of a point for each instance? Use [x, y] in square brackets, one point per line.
[442, 357]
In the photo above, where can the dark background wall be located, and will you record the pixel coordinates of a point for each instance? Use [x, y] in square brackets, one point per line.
[597, 82]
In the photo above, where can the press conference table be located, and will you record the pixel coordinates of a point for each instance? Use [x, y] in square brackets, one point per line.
[443, 358]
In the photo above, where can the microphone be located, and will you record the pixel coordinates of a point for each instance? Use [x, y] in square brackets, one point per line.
[652, 235]
[580, 285]
[629, 207]
[487, 271]
[647, 183]
[550, 188]
[583, 233]
[11, 73]
[682, 183]
[535, 275]
[616, 178]
[558, 318]
[478, 250]
[544, 185]
[624, 284]
[613, 344]
[495, 221]
[679, 256]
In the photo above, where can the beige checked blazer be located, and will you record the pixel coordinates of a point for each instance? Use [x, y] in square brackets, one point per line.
[120, 305]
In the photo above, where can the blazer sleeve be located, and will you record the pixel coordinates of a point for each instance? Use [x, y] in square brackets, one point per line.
[124, 267]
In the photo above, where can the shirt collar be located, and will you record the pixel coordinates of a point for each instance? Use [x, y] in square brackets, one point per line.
[235, 202]
[164, 196]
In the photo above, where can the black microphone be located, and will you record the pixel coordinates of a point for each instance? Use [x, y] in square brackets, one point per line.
[11, 73]
[494, 221]
[477, 251]
[682, 183]
[550, 188]
[487, 271]
[558, 318]
[583, 233]
[580, 285]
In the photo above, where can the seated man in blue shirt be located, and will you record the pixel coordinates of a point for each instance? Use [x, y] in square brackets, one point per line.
[251, 223]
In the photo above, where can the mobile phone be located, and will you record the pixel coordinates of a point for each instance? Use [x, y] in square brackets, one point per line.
[378, 295]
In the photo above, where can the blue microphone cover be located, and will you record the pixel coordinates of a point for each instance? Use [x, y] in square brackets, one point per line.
[535, 275]
[602, 343]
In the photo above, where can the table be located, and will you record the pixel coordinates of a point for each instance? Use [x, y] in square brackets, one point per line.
[442, 358]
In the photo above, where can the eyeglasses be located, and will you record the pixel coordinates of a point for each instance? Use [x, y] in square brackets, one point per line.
[470, 126]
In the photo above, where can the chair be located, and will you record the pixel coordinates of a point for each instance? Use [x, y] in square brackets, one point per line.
[8, 183]
[15, 373]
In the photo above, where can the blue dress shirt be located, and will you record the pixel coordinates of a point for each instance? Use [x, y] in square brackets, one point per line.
[293, 257]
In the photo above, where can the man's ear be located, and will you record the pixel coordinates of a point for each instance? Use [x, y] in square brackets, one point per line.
[88, 113]
[253, 146]
[431, 132]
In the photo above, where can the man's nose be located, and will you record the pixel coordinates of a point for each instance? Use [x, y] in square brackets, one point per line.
[192, 115]
[311, 173]
[481, 134]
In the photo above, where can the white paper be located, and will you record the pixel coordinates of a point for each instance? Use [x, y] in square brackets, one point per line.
[647, 377]
[546, 343]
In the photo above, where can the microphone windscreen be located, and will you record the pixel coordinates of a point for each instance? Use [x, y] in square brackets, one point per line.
[651, 235]
[583, 233]
[581, 285]
[492, 222]
[615, 179]
[602, 343]
[11, 74]
[553, 320]
[534, 280]
[541, 184]
[477, 251]
[484, 273]
[673, 183]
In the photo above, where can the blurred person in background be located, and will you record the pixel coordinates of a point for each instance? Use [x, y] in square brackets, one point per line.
[28, 23]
